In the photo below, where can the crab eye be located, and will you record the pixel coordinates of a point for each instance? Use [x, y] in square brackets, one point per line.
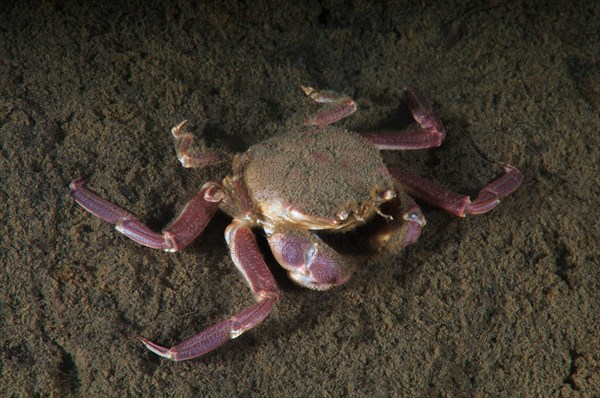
[387, 195]
[342, 215]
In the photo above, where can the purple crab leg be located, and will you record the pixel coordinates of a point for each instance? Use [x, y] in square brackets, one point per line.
[190, 223]
[489, 196]
[249, 261]
[190, 156]
[429, 134]
[338, 107]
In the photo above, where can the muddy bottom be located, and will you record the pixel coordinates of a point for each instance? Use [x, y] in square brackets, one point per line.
[502, 304]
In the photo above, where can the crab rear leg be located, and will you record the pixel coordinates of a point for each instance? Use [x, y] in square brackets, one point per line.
[489, 196]
[249, 261]
[337, 107]
[310, 262]
[430, 131]
[189, 224]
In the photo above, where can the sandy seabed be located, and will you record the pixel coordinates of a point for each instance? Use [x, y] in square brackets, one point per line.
[504, 304]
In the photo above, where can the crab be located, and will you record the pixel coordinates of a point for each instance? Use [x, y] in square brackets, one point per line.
[314, 178]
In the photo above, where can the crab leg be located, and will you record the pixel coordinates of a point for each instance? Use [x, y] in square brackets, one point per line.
[338, 107]
[489, 196]
[188, 155]
[190, 223]
[249, 261]
[429, 134]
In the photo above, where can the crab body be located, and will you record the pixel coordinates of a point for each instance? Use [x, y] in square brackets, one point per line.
[327, 178]
[314, 178]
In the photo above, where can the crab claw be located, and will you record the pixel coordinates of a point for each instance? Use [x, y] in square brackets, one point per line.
[310, 262]
[403, 229]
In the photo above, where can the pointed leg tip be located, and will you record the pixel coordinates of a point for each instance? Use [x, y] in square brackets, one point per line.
[155, 348]
[509, 168]
[76, 183]
[412, 92]
[515, 174]
[309, 122]
[175, 130]
[307, 89]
